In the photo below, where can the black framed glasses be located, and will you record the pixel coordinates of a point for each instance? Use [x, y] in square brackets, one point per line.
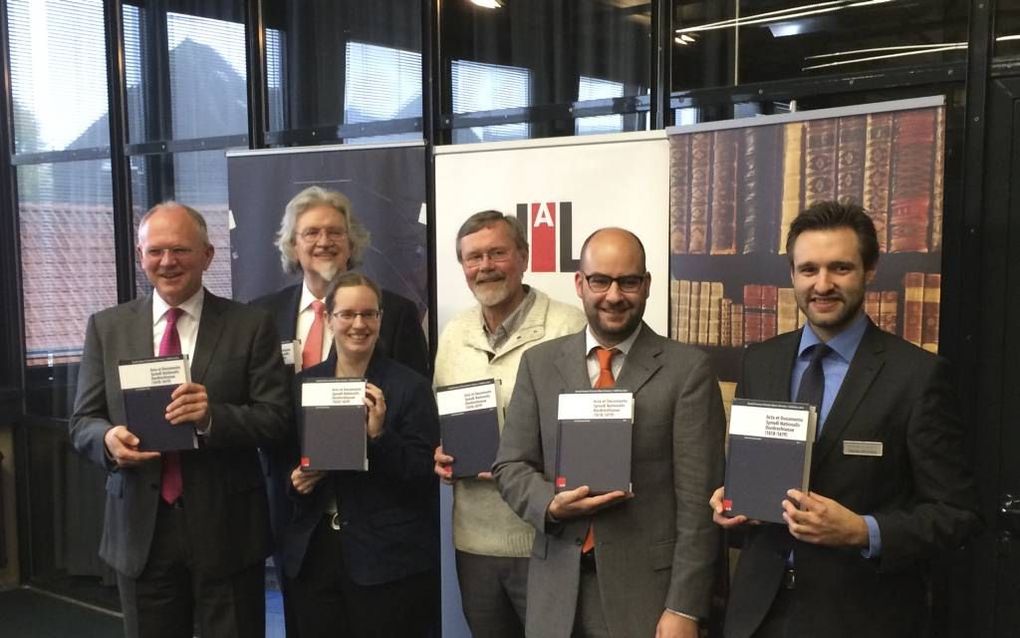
[627, 283]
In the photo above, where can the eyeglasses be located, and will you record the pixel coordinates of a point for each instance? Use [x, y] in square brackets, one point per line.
[602, 283]
[348, 316]
[177, 252]
[496, 255]
[332, 234]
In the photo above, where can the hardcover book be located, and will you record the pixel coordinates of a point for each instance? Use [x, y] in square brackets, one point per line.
[723, 229]
[469, 418]
[146, 385]
[701, 192]
[594, 443]
[333, 435]
[770, 446]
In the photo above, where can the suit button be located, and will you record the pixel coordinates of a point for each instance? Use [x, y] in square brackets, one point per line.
[578, 541]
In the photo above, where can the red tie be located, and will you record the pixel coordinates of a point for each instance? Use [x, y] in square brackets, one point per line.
[605, 380]
[171, 484]
[311, 354]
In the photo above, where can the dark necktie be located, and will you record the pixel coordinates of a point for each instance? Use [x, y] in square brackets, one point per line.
[812, 384]
[604, 380]
[171, 484]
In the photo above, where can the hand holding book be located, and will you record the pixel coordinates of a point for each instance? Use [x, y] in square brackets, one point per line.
[818, 520]
[576, 503]
[122, 447]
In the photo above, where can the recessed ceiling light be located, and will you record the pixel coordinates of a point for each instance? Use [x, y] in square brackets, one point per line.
[488, 4]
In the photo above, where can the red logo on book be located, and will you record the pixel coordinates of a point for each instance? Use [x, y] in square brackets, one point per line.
[727, 504]
[305, 461]
[550, 227]
[561, 481]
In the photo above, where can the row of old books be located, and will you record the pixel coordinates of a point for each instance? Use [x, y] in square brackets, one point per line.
[703, 315]
[735, 191]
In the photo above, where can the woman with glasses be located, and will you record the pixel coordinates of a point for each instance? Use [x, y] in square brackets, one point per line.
[360, 554]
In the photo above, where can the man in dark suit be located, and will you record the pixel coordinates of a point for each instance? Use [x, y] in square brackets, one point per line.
[186, 532]
[320, 238]
[890, 483]
[617, 564]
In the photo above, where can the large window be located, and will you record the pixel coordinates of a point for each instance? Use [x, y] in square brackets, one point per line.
[528, 62]
[369, 67]
[488, 87]
[58, 79]
[336, 62]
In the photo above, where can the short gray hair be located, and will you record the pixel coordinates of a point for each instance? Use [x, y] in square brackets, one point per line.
[357, 235]
[487, 218]
[203, 228]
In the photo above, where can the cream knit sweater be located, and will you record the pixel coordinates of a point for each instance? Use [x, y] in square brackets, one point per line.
[482, 522]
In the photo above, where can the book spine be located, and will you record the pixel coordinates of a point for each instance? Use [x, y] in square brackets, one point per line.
[877, 169]
[737, 325]
[726, 322]
[752, 313]
[873, 305]
[890, 311]
[747, 192]
[684, 312]
[938, 179]
[704, 312]
[850, 159]
[930, 314]
[714, 310]
[701, 182]
[793, 151]
[912, 161]
[819, 161]
[723, 230]
[679, 191]
[694, 312]
[769, 311]
[913, 306]
[787, 311]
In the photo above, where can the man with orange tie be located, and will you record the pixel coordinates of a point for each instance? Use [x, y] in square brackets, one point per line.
[617, 564]
[187, 533]
[320, 238]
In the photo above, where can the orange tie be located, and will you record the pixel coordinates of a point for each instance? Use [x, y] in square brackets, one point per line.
[605, 380]
[311, 354]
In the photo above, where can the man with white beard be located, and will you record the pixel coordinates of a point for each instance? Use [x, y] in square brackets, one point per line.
[483, 342]
[320, 239]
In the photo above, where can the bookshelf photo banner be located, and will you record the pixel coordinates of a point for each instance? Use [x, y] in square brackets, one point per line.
[735, 186]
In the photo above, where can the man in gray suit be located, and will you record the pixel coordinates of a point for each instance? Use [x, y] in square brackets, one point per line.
[649, 571]
[186, 532]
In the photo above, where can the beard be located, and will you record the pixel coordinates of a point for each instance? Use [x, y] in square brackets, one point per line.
[328, 272]
[492, 291]
[613, 333]
[850, 308]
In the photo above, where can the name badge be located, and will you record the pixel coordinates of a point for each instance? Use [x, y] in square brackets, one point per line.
[290, 350]
[862, 448]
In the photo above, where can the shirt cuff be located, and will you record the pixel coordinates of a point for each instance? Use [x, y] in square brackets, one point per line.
[874, 548]
[206, 430]
[682, 614]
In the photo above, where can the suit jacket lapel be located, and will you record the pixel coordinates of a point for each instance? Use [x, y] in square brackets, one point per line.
[210, 326]
[777, 384]
[642, 361]
[141, 338]
[867, 362]
[571, 362]
[289, 312]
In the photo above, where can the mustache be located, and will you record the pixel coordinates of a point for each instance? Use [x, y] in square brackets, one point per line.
[489, 278]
